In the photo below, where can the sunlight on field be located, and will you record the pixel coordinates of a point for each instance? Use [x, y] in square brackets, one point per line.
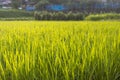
[36, 50]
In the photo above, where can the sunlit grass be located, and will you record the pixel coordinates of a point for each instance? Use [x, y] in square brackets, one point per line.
[33, 50]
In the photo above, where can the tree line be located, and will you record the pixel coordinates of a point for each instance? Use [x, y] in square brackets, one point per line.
[41, 3]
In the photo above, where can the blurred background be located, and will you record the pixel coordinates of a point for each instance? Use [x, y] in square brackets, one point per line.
[59, 9]
[62, 5]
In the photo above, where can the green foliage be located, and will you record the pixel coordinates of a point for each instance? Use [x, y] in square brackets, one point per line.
[15, 14]
[41, 4]
[59, 1]
[59, 50]
[17, 19]
[44, 15]
[105, 16]
[16, 4]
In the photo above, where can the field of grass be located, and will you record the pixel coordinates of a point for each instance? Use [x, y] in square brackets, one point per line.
[36, 50]
[13, 15]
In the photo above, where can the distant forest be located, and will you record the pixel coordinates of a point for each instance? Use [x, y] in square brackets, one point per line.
[72, 5]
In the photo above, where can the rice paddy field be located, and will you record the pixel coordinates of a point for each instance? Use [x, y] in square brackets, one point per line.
[73, 50]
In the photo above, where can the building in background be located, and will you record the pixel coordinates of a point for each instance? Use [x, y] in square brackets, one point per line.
[5, 4]
[28, 5]
[62, 5]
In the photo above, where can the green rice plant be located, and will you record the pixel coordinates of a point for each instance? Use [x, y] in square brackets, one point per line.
[105, 16]
[73, 50]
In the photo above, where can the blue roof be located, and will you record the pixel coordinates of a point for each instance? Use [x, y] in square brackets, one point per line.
[56, 7]
[30, 8]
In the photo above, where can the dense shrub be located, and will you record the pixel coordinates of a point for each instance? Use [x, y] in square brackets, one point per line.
[105, 16]
[44, 15]
[17, 19]
[14, 14]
